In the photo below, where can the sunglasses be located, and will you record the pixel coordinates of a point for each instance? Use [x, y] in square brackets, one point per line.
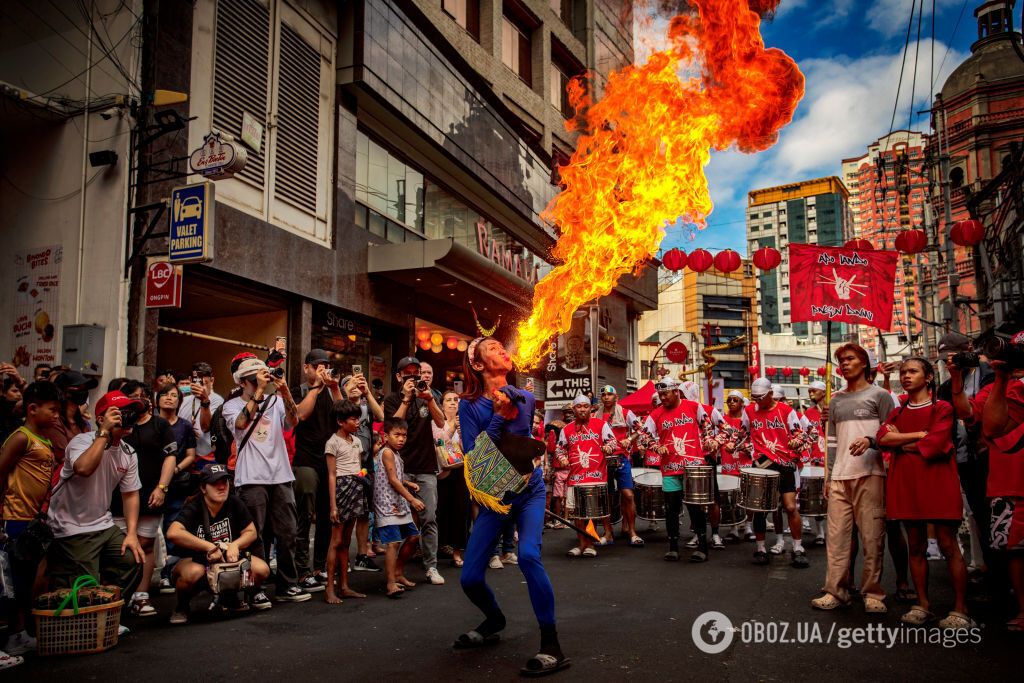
[662, 386]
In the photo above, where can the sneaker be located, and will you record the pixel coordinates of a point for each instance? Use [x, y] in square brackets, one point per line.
[320, 576]
[311, 585]
[509, 558]
[800, 560]
[141, 607]
[165, 587]
[123, 630]
[806, 526]
[179, 617]
[292, 594]
[434, 577]
[693, 542]
[778, 548]
[750, 537]
[20, 643]
[717, 542]
[761, 557]
[495, 563]
[934, 554]
[260, 601]
[9, 661]
[363, 564]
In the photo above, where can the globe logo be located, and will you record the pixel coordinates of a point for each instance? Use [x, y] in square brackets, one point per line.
[712, 632]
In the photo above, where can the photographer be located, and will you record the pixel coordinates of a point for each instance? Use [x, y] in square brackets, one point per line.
[231, 530]
[415, 404]
[198, 404]
[317, 393]
[86, 540]
[263, 477]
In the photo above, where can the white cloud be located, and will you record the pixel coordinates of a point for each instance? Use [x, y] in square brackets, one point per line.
[890, 17]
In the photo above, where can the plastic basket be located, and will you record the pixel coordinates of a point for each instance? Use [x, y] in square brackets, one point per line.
[93, 629]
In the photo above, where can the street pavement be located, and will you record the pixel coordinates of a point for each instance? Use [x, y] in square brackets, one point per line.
[625, 614]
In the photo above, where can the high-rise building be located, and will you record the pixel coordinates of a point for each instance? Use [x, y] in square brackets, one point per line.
[888, 191]
[807, 212]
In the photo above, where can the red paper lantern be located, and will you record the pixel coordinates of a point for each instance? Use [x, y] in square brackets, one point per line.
[753, 370]
[787, 372]
[911, 241]
[674, 259]
[767, 258]
[967, 233]
[821, 371]
[727, 261]
[860, 244]
[451, 343]
[770, 371]
[699, 260]
[804, 372]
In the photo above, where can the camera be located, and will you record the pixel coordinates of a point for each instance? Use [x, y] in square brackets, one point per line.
[966, 359]
[129, 417]
[1010, 351]
[277, 373]
[335, 373]
[422, 385]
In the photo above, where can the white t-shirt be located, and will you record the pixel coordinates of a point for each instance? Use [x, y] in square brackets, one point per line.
[348, 455]
[264, 460]
[82, 504]
[190, 410]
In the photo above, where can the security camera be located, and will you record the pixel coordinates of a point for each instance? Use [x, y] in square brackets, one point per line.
[108, 114]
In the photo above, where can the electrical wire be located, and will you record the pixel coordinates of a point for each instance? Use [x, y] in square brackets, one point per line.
[50, 199]
[949, 43]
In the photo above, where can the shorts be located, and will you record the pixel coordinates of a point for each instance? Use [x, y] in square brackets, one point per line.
[561, 478]
[623, 475]
[1007, 525]
[148, 526]
[787, 477]
[396, 533]
[350, 497]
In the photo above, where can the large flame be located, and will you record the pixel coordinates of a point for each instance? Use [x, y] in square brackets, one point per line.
[639, 163]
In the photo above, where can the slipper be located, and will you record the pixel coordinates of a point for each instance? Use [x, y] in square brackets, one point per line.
[874, 606]
[589, 552]
[575, 552]
[906, 595]
[917, 616]
[1015, 625]
[474, 639]
[607, 541]
[636, 542]
[543, 665]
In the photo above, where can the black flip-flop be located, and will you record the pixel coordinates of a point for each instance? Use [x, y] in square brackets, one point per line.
[544, 665]
[474, 639]
[394, 595]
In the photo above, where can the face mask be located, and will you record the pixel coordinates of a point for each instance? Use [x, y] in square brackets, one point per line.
[185, 390]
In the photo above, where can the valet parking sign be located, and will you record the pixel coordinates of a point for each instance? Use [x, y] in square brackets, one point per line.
[842, 285]
[191, 229]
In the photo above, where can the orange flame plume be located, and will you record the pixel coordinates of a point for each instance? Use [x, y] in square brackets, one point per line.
[639, 163]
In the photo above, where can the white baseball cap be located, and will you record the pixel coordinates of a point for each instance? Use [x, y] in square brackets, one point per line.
[761, 387]
[248, 368]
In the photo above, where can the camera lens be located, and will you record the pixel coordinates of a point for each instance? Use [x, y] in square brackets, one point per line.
[277, 372]
[421, 385]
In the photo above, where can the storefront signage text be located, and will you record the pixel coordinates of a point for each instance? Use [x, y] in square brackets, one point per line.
[191, 229]
[505, 256]
[218, 158]
[337, 323]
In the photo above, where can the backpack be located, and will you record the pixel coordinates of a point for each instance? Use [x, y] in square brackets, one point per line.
[221, 437]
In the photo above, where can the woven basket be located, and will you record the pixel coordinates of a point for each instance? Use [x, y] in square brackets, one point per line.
[93, 629]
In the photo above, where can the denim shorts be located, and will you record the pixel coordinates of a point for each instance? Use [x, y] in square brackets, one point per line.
[623, 475]
[396, 533]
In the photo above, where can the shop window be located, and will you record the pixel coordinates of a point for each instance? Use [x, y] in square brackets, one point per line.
[275, 64]
[388, 186]
[515, 48]
[465, 13]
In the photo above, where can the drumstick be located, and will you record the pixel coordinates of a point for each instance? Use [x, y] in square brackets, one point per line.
[569, 524]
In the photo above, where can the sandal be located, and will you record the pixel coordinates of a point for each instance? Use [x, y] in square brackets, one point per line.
[917, 616]
[636, 542]
[957, 621]
[828, 602]
[575, 552]
[874, 606]
[543, 665]
[906, 595]
[589, 552]
[474, 639]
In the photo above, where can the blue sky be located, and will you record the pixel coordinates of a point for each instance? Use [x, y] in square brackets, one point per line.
[850, 52]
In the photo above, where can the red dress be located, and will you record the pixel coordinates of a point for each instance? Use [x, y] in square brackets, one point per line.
[924, 486]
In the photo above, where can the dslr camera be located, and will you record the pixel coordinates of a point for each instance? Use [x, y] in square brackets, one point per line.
[966, 360]
[277, 373]
[129, 417]
[1007, 349]
[421, 384]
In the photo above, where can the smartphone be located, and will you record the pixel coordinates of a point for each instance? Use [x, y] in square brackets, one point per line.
[357, 369]
[280, 344]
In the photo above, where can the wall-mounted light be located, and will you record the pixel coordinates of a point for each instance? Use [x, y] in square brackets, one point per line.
[104, 157]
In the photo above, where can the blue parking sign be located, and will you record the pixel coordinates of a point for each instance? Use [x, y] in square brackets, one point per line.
[190, 236]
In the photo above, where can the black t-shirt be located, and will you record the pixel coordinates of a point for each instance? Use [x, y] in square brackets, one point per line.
[227, 525]
[152, 442]
[311, 434]
[418, 455]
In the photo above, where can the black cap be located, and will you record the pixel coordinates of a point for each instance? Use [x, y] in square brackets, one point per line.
[317, 356]
[406, 362]
[953, 342]
[214, 473]
[75, 380]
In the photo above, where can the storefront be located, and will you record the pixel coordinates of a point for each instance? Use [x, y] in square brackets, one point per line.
[355, 342]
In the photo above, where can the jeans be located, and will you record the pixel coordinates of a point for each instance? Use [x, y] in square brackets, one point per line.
[428, 518]
[311, 500]
[528, 515]
[98, 554]
[274, 504]
[171, 509]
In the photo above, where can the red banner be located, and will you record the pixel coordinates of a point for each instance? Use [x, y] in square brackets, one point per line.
[842, 285]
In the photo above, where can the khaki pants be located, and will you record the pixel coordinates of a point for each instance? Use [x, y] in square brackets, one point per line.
[861, 502]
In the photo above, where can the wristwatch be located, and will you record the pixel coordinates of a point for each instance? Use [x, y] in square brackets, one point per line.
[163, 487]
[103, 434]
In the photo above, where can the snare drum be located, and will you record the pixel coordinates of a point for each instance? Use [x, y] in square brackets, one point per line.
[587, 501]
[699, 487]
[759, 489]
[812, 492]
[650, 499]
[729, 501]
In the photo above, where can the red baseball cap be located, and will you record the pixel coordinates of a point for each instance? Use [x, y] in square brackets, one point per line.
[115, 399]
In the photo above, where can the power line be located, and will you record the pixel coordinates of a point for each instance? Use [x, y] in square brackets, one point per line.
[949, 43]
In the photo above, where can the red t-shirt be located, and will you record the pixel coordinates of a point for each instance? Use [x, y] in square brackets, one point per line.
[678, 430]
[732, 462]
[817, 453]
[771, 430]
[1005, 453]
[651, 457]
[622, 431]
[583, 448]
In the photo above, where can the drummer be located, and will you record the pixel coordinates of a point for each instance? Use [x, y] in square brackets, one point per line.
[582, 446]
[816, 452]
[776, 435]
[691, 392]
[736, 449]
[677, 430]
[623, 423]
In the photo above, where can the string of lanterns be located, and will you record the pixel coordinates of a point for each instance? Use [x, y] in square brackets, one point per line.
[786, 372]
[436, 342]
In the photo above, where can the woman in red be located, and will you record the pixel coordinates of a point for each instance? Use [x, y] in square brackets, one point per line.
[924, 487]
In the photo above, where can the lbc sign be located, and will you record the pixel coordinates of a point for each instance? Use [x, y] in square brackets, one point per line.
[163, 285]
[191, 231]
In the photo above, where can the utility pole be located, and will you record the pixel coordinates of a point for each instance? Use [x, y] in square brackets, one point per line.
[952, 278]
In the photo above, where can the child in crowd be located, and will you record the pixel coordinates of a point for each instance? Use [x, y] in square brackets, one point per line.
[346, 492]
[392, 498]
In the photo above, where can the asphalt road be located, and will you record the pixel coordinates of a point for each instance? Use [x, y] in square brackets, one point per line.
[626, 613]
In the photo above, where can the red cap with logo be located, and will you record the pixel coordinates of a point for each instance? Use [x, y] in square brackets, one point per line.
[115, 399]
